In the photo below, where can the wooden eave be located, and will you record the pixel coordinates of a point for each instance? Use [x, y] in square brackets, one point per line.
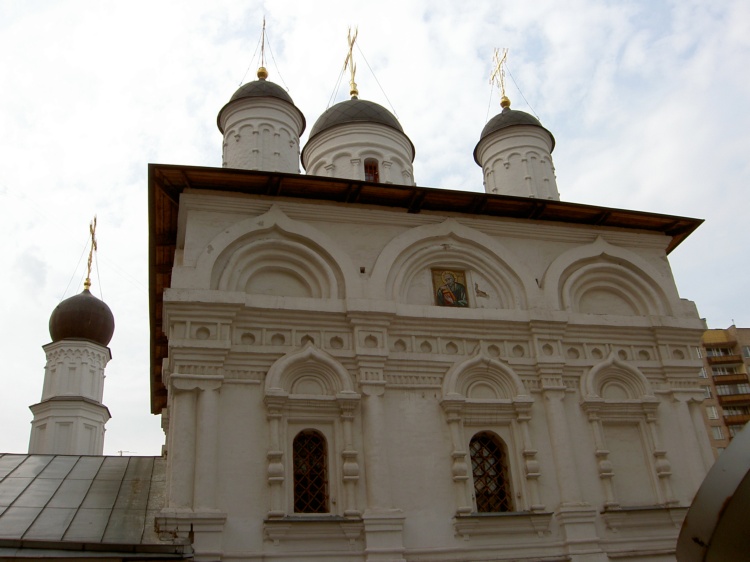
[166, 183]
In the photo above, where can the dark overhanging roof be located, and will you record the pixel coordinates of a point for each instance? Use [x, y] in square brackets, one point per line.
[166, 182]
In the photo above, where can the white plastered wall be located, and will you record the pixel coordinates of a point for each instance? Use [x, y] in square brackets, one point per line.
[557, 374]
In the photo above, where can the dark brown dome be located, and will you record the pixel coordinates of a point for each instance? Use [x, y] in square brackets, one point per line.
[82, 317]
[355, 110]
[510, 118]
[261, 88]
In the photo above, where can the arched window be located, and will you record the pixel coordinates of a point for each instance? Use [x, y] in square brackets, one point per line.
[310, 460]
[490, 470]
[371, 170]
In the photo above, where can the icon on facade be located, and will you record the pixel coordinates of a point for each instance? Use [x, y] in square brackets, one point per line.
[450, 287]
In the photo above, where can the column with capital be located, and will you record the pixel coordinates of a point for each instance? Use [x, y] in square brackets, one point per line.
[193, 447]
[577, 518]
[181, 457]
[207, 444]
[688, 422]
[377, 481]
[384, 523]
[554, 391]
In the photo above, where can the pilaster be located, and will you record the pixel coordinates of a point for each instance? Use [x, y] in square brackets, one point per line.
[383, 522]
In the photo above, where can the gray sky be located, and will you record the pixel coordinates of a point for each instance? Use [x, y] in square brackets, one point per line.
[646, 99]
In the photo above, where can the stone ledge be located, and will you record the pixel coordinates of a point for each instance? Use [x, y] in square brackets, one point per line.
[513, 523]
[320, 527]
[642, 518]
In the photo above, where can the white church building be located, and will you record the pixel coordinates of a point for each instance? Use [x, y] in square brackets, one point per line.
[353, 368]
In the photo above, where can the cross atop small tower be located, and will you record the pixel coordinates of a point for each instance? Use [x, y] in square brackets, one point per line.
[92, 232]
[349, 61]
[499, 61]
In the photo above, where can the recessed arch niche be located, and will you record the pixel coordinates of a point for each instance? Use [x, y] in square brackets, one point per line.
[404, 267]
[276, 256]
[607, 280]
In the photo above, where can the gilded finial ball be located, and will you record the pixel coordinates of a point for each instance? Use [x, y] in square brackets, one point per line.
[262, 73]
[504, 102]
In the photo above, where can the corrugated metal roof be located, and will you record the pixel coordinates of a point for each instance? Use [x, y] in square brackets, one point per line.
[64, 503]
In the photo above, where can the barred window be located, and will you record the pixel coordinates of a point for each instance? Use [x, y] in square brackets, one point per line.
[490, 470]
[310, 461]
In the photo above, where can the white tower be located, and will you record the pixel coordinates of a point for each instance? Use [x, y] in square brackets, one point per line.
[515, 153]
[70, 418]
[359, 140]
[261, 128]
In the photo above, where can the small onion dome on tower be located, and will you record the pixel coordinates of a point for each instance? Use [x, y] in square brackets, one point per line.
[82, 317]
[261, 128]
[360, 140]
[515, 153]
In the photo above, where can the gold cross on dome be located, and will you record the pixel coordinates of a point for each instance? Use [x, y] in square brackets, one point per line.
[353, 92]
[92, 232]
[499, 61]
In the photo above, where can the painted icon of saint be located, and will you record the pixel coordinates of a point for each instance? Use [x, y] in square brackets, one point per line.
[451, 292]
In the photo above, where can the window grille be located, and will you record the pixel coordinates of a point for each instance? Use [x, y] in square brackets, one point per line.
[490, 470]
[310, 460]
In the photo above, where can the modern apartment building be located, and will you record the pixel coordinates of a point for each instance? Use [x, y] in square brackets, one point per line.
[726, 364]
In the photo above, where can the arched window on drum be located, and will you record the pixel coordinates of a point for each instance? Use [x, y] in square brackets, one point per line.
[371, 170]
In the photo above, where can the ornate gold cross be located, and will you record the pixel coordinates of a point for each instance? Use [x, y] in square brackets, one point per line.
[92, 231]
[498, 74]
[353, 92]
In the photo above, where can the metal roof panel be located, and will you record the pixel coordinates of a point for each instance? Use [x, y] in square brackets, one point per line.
[51, 524]
[16, 520]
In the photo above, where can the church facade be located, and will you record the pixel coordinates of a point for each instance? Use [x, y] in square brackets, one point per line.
[350, 367]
